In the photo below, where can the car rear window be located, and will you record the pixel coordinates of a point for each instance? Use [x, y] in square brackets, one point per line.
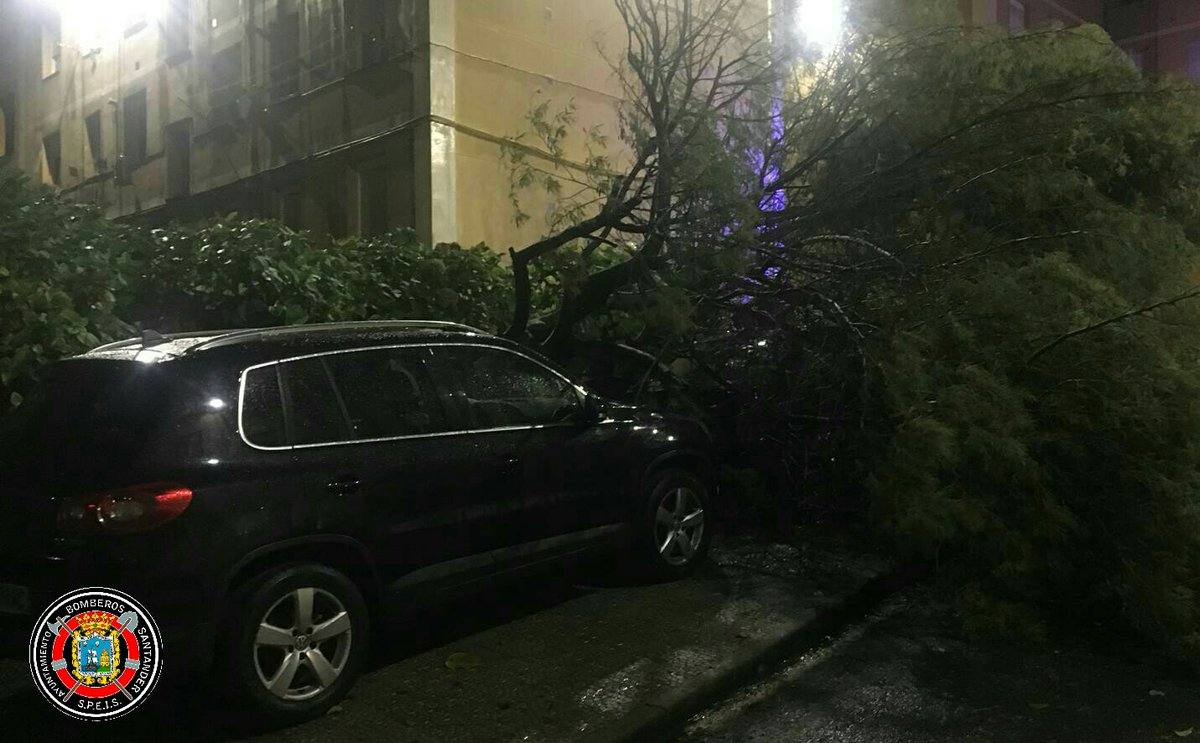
[262, 408]
[85, 417]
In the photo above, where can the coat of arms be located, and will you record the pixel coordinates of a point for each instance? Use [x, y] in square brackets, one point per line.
[95, 649]
[94, 653]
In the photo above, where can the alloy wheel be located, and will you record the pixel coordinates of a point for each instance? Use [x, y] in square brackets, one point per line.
[302, 644]
[679, 526]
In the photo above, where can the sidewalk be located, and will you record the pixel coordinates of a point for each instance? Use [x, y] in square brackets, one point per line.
[908, 674]
[612, 663]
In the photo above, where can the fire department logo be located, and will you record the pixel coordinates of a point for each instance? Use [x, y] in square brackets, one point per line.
[95, 654]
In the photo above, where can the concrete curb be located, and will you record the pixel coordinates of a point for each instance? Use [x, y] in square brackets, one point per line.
[663, 719]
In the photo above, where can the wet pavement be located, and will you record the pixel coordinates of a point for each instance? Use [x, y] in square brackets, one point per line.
[546, 660]
[907, 675]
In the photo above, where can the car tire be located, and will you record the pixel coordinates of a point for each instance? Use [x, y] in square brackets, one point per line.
[296, 642]
[674, 528]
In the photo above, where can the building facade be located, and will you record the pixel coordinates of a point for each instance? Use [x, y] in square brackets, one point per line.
[1021, 14]
[357, 116]
[340, 116]
[1160, 36]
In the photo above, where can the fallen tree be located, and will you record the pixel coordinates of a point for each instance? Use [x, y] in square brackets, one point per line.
[943, 278]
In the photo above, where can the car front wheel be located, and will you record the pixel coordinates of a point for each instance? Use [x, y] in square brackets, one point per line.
[675, 528]
[299, 638]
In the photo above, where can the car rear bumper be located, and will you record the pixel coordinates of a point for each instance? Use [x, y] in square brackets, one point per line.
[175, 603]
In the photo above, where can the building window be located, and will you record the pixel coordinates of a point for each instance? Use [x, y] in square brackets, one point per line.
[177, 29]
[324, 32]
[284, 74]
[372, 201]
[179, 158]
[367, 31]
[226, 82]
[134, 120]
[1136, 58]
[1193, 60]
[52, 151]
[95, 141]
[1016, 16]
[51, 44]
[8, 128]
[291, 210]
[332, 210]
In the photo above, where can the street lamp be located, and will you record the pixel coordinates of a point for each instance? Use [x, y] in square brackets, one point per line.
[96, 22]
[821, 23]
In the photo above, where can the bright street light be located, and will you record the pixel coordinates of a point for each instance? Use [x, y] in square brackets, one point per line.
[96, 22]
[821, 22]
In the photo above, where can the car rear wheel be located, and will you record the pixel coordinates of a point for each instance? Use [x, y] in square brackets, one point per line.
[299, 636]
[675, 528]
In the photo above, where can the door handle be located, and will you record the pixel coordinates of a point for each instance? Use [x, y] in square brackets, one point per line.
[342, 486]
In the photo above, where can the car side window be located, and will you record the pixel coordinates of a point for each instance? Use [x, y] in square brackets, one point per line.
[501, 388]
[387, 392]
[262, 408]
[314, 413]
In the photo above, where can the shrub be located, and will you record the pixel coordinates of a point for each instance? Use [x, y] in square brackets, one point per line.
[235, 272]
[61, 268]
[70, 279]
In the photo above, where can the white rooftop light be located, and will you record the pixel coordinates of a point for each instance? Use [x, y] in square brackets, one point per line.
[94, 23]
[821, 22]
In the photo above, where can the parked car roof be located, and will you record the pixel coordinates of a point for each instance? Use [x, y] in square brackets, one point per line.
[153, 347]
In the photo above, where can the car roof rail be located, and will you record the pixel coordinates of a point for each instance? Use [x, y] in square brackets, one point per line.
[240, 336]
[163, 338]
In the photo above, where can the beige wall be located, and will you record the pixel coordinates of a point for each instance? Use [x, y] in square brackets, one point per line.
[432, 115]
[505, 57]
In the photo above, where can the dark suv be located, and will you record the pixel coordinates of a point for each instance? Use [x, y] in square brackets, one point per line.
[263, 492]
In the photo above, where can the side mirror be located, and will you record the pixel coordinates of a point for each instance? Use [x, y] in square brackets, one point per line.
[593, 409]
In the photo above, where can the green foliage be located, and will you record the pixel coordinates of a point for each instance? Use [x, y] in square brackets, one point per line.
[61, 267]
[69, 279]
[236, 272]
[536, 159]
[1044, 469]
[986, 616]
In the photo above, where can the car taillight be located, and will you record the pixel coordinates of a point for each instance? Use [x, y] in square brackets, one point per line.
[123, 510]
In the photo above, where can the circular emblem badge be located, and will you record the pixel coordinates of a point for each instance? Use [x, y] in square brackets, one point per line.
[95, 654]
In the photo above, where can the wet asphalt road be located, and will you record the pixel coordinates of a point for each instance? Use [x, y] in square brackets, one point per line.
[579, 655]
[906, 675]
[542, 656]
